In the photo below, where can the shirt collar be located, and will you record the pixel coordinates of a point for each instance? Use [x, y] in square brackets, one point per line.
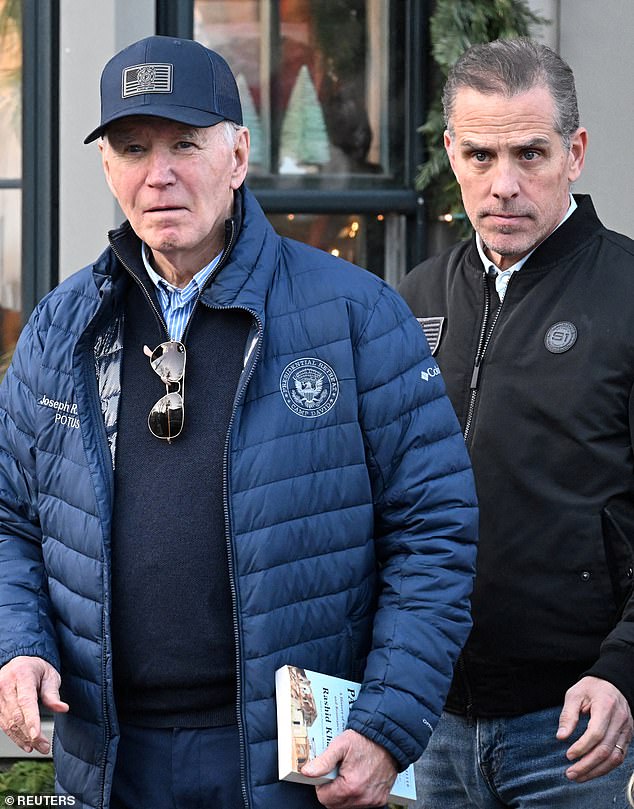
[490, 267]
[196, 284]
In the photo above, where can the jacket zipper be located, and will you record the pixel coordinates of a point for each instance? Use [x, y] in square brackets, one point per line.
[242, 385]
[486, 333]
[228, 535]
[462, 670]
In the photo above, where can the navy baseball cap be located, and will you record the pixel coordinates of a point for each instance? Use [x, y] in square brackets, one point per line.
[178, 79]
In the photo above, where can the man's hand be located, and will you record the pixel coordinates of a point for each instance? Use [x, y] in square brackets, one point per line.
[366, 772]
[22, 680]
[604, 744]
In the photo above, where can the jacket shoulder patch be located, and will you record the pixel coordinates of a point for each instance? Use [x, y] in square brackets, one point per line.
[432, 326]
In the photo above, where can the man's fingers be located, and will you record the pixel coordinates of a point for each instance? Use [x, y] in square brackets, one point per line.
[327, 761]
[26, 695]
[49, 692]
[569, 715]
[22, 680]
[597, 735]
[26, 728]
[603, 759]
[20, 698]
[609, 732]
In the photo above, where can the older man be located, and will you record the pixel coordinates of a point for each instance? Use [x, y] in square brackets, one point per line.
[258, 470]
[531, 321]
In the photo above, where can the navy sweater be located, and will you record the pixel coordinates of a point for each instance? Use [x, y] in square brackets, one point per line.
[172, 624]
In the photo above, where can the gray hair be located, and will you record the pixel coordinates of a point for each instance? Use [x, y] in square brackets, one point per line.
[511, 67]
[230, 131]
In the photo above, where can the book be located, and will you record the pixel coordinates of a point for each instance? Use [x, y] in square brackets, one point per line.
[312, 709]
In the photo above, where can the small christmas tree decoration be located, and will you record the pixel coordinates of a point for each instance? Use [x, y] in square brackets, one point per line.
[304, 139]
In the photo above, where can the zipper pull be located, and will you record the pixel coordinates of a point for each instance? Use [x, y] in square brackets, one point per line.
[475, 376]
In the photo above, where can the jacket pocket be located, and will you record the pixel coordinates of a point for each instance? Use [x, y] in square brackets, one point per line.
[617, 519]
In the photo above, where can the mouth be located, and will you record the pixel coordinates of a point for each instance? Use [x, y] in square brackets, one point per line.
[504, 216]
[164, 209]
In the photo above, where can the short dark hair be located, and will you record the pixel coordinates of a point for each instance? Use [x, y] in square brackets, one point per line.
[511, 67]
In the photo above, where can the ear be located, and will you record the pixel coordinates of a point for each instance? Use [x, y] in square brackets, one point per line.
[240, 158]
[577, 154]
[449, 148]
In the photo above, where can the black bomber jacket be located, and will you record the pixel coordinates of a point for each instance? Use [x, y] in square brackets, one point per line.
[542, 385]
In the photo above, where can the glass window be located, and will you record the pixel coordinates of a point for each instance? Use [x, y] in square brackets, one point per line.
[359, 239]
[375, 242]
[318, 87]
[10, 173]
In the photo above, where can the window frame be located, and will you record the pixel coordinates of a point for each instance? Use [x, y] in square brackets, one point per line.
[176, 18]
[40, 150]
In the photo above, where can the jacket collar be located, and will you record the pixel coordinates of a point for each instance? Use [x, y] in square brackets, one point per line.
[572, 236]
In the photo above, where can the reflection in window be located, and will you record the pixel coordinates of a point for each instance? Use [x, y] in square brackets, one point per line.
[359, 239]
[10, 172]
[313, 79]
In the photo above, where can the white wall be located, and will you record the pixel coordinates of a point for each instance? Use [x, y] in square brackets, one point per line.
[596, 39]
[88, 40]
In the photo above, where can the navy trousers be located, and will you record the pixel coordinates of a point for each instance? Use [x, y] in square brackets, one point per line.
[177, 768]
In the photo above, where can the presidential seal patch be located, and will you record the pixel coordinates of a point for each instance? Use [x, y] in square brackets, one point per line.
[309, 387]
[560, 337]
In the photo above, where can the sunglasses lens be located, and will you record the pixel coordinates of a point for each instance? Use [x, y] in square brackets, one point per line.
[168, 360]
[166, 417]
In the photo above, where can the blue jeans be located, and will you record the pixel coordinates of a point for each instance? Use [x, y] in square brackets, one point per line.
[510, 763]
[177, 768]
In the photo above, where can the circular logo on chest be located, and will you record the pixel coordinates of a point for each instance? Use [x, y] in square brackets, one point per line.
[560, 337]
[309, 387]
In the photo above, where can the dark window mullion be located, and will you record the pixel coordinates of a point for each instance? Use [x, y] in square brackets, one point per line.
[175, 18]
[417, 39]
[40, 150]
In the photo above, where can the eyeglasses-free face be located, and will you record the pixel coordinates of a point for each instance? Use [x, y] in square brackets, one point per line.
[168, 414]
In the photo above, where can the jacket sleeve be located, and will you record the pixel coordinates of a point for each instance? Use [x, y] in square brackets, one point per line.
[616, 657]
[26, 627]
[425, 532]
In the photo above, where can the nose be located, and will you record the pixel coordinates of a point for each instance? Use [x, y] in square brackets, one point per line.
[160, 171]
[505, 182]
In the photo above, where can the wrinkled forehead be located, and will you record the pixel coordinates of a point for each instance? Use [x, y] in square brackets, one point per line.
[527, 114]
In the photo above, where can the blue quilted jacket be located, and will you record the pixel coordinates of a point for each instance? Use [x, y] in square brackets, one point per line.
[349, 500]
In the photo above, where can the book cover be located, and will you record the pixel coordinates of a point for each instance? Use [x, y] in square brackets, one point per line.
[312, 709]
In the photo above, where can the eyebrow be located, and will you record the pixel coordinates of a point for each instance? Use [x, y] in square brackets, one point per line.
[532, 143]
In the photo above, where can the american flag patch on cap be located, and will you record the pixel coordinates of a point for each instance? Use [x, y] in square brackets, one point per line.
[147, 78]
[432, 326]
